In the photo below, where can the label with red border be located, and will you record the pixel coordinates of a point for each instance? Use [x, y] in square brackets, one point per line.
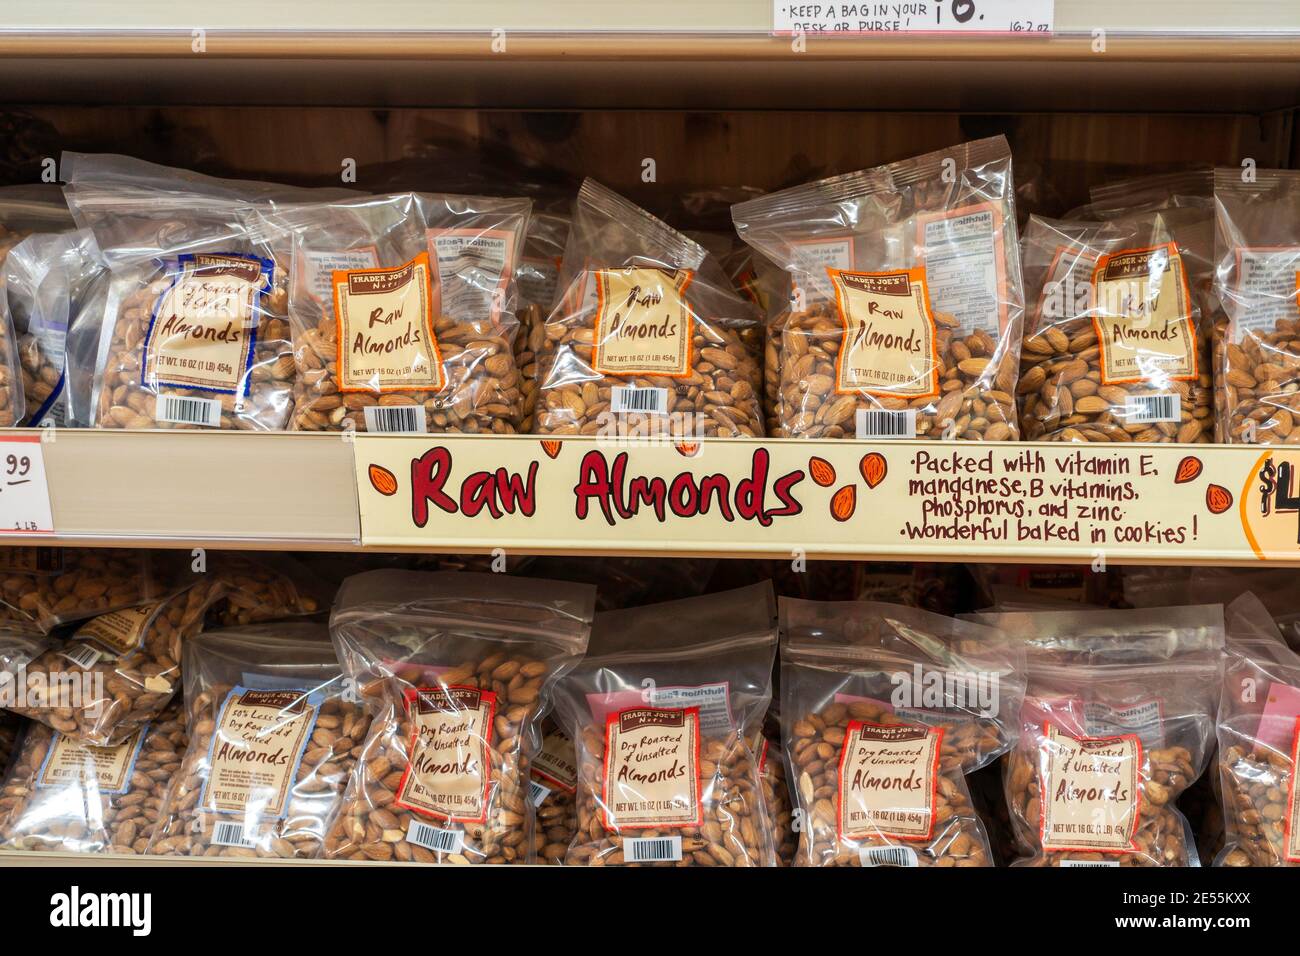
[888, 781]
[556, 762]
[385, 329]
[449, 774]
[1293, 803]
[1142, 314]
[890, 345]
[651, 773]
[1091, 792]
[643, 322]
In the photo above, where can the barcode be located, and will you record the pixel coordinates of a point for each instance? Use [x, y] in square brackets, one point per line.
[83, 655]
[231, 834]
[1153, 408]
[624, 398]
[395, 418]
[537, 793]
[887, 856]
[652, 849]
[878, 423]
[434, 838]
[189, 411]
[1074, 863]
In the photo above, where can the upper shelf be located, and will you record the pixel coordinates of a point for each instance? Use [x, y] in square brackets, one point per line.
[1027, 502]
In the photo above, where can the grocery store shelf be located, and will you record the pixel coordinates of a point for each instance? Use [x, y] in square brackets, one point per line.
[1029, 502]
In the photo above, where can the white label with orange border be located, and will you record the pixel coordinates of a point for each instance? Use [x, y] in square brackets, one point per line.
[1293, 803]
[385, 329]
[1142, 314]
[1266, 289]
[643, 322]
[474, 270]
[888, 781]
[890, 344]
[1091, 792]
[966, 266]
[652, 768]
[449, 773]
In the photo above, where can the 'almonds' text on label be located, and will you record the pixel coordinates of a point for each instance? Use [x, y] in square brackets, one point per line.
[889, 335]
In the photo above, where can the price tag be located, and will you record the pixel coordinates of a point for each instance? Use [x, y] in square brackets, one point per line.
[24, 494]
[1027, 17]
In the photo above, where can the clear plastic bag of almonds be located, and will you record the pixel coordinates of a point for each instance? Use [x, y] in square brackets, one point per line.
[49, 279]
[1257, 344]
[646, 337]
[1259, 741]
[662, 711]
[537, 278]
[120, 669]
[46, 587]
[906, 316]
[776, 790]
[402, 309]
[885, 709]
[554, 786]
[194, 331]
[456, 669]
[275, 730]
[1117, 722]
[263, 587]
[65, 795]
[1117, 343]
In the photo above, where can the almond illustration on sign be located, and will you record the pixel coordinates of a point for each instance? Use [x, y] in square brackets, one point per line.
[874, 468]
[1189, 469]
[822, 471]
[1218, 499]
[383, 480]
[844, 503]
[688, 448]
[551, 447]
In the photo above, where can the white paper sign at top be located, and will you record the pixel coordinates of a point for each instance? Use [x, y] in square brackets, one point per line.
[1028, 17]
[24, 494]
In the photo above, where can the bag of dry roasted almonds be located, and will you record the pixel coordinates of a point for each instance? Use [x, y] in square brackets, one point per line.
[274, 729]
[662, 712]
[554, 785]
[1259, 741]
[906, 316]
[646, 335]
[1116, 346]
[1257, 343]
[70, 796]
[885, 710]
[124, 666]
[456, 669]
[1117, 721]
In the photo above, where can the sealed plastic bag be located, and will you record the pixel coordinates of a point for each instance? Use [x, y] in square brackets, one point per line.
[537, 278]
[645, 338]
[126, 666]
[45, 588]
[908, 304]
[662, 711]
[885, 711]
[1259, 741]
[274, 731]
[403, 312]
[555, 781]
[776, 792]
[1116, 347]
[456, 669]
[1257, 349]
[1117, 722]
[194, 331]
[64, 795]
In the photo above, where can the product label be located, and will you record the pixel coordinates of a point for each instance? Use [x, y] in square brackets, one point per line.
[643, 322]
[813, 257]
[254, 754]
[474, 269]
[966, 267]
[1090, 792]
[1146, 719]
[449, 774]
[318, 268]
[1142, 313]
[1265, 290]
[385, 329]
[1067, 291]
[888, 781]
[109, 769]
[556, 762]
[889, 335]
[652, 768]
[203, 327]
[119, 632]
[1293, 802]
